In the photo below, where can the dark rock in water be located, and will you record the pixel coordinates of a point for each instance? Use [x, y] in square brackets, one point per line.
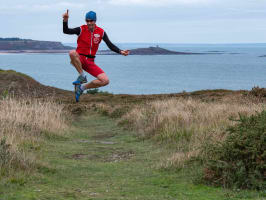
[157, 51]
[150, 51]
[262, 56]
[216, 51]
[17, 44]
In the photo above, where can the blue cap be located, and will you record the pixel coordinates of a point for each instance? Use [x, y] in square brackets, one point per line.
[91, 15]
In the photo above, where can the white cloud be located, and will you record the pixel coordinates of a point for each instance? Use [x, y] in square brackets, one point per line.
[159, 2]
[250, 11]
[37, 7]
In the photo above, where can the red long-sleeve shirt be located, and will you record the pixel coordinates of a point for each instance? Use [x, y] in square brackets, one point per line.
[88, 42]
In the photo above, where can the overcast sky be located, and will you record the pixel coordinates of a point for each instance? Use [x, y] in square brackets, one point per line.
[146, 21]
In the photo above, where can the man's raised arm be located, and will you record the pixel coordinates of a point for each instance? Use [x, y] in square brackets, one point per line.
[67, 30]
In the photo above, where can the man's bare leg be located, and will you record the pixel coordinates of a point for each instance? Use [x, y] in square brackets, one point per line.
[75, 61]
[102, 80]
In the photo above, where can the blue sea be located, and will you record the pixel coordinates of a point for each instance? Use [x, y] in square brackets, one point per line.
[234, 67]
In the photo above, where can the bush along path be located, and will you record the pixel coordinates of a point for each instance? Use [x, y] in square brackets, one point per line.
[239, 161]
[99, 160]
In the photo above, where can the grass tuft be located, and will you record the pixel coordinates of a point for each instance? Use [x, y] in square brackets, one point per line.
[23, 122]
[186, 125]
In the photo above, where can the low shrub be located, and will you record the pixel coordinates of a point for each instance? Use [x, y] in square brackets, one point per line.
[258, 92]
[93, 91]
[239, 161]
[97, 91]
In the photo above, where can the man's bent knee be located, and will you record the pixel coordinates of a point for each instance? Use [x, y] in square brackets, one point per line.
[73, 54]
[103, 79]
[105, 82]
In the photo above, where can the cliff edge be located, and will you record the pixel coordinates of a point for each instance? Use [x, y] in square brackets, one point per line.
[7, 44]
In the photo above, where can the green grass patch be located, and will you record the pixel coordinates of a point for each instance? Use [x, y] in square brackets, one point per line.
[99, 160]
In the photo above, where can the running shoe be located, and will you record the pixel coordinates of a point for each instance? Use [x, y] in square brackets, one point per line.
[80, 80]
[78, 92]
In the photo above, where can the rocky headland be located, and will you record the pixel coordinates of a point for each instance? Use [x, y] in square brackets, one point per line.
[150, 51]
[17, 45]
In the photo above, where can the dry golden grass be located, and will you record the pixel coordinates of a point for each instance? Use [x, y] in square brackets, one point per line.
[24, 121]
[187, 124]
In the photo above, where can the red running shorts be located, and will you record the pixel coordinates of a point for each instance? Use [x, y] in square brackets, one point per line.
[89, 66]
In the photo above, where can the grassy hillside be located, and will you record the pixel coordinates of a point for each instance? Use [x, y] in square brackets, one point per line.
[113, 146]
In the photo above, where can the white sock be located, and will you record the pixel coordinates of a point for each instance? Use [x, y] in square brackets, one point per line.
[83, 74]
[82, 87]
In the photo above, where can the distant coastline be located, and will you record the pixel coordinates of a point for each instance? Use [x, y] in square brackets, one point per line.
[32, 51]
[138, 51]
[17, 46]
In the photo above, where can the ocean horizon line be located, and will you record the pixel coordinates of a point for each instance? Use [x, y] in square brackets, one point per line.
[143, 43]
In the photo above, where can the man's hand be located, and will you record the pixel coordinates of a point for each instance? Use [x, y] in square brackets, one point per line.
[124, 52]
[65, 16]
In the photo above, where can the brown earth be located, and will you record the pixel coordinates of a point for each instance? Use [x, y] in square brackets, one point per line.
[22, 86]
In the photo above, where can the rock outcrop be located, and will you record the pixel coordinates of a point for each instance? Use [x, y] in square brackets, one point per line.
[150, 51]
[7, 44]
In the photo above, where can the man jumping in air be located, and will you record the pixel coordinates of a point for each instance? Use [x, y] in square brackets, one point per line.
[89, 38]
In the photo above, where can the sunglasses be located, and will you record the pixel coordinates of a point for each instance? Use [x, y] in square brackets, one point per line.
[88, 20]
